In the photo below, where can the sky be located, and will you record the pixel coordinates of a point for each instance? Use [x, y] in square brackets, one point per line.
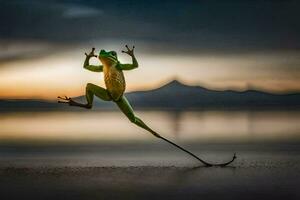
[216, 44]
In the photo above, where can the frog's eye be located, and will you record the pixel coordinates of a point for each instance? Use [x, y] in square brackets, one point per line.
[113, 53]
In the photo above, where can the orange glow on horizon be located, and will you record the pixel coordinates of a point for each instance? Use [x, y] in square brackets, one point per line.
[63, 74]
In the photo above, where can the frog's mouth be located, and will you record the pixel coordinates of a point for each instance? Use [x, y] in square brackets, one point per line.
[112, 58]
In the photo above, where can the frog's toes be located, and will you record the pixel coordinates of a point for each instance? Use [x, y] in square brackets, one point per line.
[63, 99]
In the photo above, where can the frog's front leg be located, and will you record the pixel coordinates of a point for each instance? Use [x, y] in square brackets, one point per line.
[91, 90]
[134, 64]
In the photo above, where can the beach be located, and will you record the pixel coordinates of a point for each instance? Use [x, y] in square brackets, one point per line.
[151, 172]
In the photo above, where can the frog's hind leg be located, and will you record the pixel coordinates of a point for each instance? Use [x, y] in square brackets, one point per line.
[98, 91]
[91, 90]
[126, 108]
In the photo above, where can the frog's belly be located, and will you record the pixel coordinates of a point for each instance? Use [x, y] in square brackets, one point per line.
[115, 83]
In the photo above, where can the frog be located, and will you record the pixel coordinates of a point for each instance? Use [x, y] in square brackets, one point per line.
[115, 84]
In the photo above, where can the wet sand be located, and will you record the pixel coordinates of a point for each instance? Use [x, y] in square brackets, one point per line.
[250, 177]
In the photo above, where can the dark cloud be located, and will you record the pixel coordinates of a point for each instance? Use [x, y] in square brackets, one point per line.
[169, 26]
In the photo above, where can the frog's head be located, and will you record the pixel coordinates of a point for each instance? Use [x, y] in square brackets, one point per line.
[108, 57]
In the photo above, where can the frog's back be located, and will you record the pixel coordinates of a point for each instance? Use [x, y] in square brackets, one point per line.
[114, 81]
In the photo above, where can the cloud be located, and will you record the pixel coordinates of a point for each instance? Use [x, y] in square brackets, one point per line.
[14, 51]
[76, 11]
[168, 27]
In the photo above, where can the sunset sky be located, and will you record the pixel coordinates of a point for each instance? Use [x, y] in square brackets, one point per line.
[229, 45]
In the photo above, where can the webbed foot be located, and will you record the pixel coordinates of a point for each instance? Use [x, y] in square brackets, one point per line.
[91, 54]
[129, 51]
[70, 102]
[66, 100]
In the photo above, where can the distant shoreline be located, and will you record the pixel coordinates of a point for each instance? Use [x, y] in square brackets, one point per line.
[174, 96]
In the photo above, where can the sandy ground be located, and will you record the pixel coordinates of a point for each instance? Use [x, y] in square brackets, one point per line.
[149, 182]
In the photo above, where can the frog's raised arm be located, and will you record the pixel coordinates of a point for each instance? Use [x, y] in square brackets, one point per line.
[134, 61]
[86, 64]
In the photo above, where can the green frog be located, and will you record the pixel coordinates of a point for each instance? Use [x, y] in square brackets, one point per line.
[114, 82]
[115, 88]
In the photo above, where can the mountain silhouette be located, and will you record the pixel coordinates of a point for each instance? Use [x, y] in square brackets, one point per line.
[176, 96]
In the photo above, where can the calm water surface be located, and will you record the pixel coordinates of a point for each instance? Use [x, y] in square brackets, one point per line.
[206, 126]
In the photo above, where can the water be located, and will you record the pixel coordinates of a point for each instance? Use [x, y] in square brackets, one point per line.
[192, 126]
[109, 139]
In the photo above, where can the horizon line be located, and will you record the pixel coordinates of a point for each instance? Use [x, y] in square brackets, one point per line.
[176, 80]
